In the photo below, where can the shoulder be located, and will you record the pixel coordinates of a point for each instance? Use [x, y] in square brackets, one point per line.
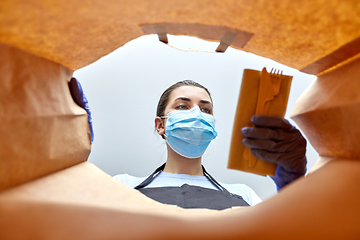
[247, 193]
[129, 180]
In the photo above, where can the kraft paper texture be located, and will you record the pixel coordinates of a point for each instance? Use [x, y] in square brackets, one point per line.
[259, 94]
[82, 202]
[77, 33]
[44, 136]
[331, 121]
[42, 130]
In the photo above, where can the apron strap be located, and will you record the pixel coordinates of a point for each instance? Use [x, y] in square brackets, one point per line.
[152, 176]
[214, 182]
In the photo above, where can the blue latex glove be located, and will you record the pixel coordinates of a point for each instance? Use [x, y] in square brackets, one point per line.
[80, 99]
[275, 140]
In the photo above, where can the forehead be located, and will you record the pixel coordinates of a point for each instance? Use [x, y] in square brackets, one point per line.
[192, 92]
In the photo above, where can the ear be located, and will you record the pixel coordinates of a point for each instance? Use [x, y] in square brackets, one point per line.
[160, 125]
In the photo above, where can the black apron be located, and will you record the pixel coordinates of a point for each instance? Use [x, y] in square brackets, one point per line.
[188, 196]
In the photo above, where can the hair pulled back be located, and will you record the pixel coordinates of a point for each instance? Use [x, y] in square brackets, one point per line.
[164, 99]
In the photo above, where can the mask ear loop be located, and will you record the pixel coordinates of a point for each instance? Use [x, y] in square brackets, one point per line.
[163, 135]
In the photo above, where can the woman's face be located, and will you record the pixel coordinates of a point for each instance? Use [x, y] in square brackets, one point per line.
[187, 97]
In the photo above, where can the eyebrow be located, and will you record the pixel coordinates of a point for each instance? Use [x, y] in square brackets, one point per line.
[188, 100]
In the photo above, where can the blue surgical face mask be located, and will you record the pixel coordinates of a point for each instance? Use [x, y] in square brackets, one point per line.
[189, 132]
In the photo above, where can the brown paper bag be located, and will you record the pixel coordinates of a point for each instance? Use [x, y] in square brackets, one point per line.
[331, 121]
[260, 93]
[42, 130]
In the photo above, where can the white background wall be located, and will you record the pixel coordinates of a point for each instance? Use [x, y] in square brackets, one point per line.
[123, 89]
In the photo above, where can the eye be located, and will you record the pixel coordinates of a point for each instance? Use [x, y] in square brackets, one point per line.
[206, 110]
[181, 107]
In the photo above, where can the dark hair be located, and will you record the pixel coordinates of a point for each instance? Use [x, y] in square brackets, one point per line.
[164, 99]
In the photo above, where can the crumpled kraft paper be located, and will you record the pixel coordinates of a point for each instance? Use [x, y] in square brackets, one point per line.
[42, 129]
[82, 202]
[259, 94]
[77, 33]
[328, 112]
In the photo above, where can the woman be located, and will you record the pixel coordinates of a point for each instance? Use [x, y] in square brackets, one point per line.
[185, 120]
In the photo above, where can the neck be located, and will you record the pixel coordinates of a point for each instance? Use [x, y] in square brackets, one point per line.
[182, 165]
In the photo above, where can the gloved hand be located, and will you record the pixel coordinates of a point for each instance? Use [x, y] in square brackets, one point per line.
[80, 99]
[275, 140]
